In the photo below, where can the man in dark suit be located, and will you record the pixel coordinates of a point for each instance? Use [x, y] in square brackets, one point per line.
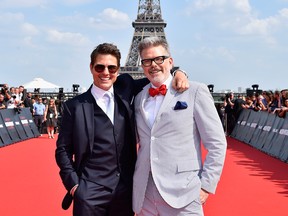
[96, 147]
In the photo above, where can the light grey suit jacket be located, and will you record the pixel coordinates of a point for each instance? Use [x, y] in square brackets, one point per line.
[171, 148]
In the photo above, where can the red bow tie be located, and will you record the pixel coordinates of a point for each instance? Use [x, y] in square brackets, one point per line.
[155, 91]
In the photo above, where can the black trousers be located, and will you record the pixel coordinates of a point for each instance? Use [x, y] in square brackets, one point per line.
[91, 199]
[38, 120]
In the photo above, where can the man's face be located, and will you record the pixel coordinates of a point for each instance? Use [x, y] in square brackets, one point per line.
[157, 73]
[1, 98]
[103, 78]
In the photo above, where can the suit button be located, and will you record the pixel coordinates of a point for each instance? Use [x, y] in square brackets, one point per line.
[118, 174]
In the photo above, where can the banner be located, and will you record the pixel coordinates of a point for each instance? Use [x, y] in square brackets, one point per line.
[264, 131]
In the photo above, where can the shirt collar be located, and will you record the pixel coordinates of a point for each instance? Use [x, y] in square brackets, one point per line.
[99, 93]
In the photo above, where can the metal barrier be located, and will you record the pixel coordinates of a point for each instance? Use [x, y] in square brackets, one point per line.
[264, 131]
[16, 125]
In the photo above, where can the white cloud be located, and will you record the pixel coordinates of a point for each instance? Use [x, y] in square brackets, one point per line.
[238, 17]
[58, 37]
[108, 19]
[259, 26]
[111, 19]
[242, 5]
[267, 28]
[29, 29]
[284, 12]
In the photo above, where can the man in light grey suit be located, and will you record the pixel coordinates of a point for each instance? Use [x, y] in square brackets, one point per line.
[171, 177]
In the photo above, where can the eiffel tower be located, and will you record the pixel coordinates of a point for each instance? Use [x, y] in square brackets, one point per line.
[149, 22]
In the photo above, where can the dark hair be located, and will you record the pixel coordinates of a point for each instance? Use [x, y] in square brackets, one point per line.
[106, 49]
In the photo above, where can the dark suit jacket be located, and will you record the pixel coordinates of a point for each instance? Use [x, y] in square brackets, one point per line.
[76, 137]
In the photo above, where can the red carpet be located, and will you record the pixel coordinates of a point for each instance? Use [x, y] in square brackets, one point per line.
[252, 183]
[30, 183]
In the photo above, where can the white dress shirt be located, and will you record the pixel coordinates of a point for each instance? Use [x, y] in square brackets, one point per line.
[153, 104]
[102, 99]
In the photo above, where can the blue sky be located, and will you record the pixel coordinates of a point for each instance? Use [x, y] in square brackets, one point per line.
[228, 43]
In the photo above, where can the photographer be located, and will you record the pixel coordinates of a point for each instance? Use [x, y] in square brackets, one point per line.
[28, 102]
[9, 100]
[2, 102]
[230, 119]
[5, 92]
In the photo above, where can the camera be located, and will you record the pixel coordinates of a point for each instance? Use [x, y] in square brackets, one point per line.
[18, 109]
[4, 90]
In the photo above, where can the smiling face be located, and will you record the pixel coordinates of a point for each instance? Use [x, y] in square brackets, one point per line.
[104, 79]
[157, 73]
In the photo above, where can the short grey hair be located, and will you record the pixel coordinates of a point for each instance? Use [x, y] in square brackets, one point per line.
[153, 42]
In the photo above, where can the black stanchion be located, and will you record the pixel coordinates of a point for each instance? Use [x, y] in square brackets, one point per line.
[269, 142]
[245, 126]
[27, 115]
[238, 123]
[8, 118]
[24, 119]
[284, 150]
[265, 131]
[241, 124]
[4, 135]
[261, 123]
[19, 126]
[252, 123]
[277, 145]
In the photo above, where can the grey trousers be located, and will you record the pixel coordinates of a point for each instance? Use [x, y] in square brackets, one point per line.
[155, 205]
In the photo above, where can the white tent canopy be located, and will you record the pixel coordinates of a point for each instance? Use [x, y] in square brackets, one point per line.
[40, 83]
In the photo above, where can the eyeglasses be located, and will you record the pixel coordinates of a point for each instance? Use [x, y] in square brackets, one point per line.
[111, 68]
[158, 60]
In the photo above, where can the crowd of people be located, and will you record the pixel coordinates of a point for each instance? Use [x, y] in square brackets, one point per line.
[262, 101]
[45, 111]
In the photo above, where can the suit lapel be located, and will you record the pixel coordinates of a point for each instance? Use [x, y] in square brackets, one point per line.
[88, 110]
[144, 96]
[171, 93]
[126, 103]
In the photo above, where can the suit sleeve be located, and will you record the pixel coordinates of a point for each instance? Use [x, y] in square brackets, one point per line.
[64, 151]
[212, 136]
[125, 81]
[139, 84]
